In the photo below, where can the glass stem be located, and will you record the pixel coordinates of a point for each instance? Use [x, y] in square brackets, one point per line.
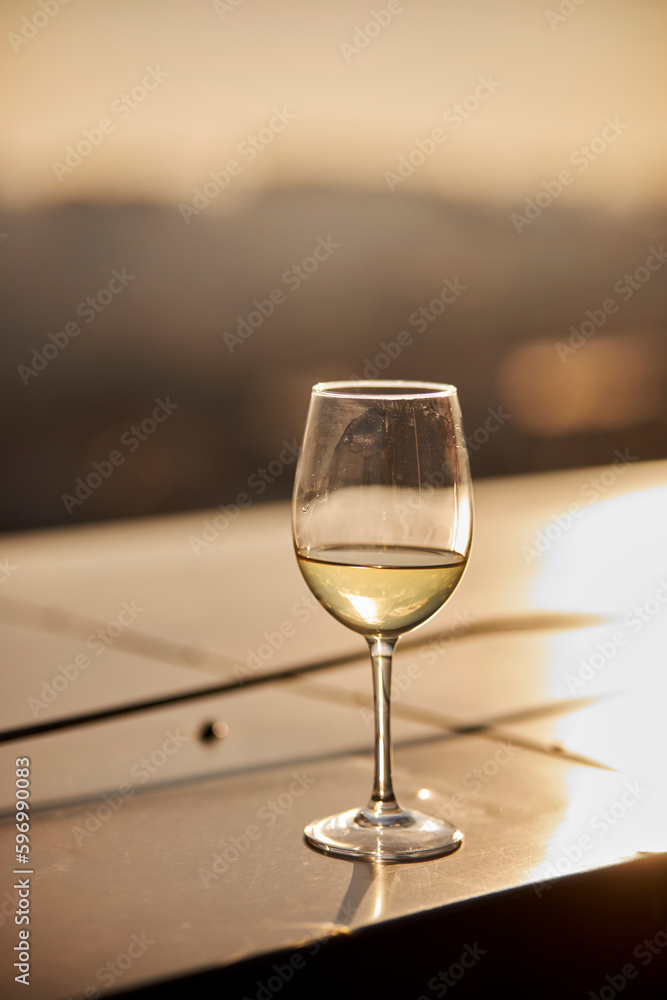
[382, 806]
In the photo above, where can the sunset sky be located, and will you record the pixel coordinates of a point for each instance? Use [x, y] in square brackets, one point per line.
[220, 70]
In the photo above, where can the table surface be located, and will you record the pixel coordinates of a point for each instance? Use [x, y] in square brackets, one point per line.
[529, 711]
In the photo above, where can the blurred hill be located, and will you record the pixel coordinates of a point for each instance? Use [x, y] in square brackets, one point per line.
[349, 271]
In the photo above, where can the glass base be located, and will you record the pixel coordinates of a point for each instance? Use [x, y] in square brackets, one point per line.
[407, 836]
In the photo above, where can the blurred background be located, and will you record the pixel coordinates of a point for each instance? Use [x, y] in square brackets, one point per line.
[205, 207]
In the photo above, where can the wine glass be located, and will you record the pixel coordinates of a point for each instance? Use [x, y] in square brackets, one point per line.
[382, 525]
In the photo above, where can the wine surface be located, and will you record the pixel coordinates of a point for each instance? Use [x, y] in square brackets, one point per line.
[381, 590]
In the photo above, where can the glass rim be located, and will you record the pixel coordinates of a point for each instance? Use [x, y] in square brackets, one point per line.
[411, 390]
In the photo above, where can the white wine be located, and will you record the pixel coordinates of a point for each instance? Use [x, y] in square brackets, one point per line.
[381, 590]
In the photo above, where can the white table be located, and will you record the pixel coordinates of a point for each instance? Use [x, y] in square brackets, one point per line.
[530, 711]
